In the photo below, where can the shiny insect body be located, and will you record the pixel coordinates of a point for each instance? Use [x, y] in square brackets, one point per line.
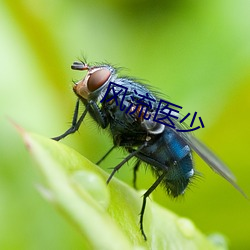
[166, 151]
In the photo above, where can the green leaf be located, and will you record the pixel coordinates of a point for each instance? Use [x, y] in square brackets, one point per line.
[107, 215]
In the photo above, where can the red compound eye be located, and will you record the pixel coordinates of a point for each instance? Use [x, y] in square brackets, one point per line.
[97, 79]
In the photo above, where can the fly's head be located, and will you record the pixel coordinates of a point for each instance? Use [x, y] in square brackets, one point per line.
[95, 80]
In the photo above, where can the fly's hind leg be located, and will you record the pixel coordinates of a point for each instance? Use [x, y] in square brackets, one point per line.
[145, 196]
[135, 169]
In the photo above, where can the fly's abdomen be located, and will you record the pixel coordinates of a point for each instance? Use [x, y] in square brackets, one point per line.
[178, 176]
[170, 155]
[180, 165]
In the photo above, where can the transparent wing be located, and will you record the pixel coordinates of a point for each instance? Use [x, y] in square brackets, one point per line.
[206, 154]
[211, 159]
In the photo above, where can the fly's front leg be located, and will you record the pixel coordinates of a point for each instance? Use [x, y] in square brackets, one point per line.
[97, 114]
[75, 123]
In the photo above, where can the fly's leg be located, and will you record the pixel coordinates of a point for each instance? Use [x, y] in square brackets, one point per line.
[97, 114]
[145, 196]
[105, 155]
[124, 161]
[136, 167]
[75, 124]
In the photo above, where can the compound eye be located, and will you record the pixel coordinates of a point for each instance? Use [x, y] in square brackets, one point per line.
[97, 79]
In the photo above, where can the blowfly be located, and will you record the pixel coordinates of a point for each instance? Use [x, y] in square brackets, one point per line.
[115, 103]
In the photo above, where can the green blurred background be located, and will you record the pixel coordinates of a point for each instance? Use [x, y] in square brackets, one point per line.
[197, 53]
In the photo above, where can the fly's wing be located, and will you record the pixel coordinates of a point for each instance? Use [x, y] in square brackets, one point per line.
[207, 155]
[211, 159]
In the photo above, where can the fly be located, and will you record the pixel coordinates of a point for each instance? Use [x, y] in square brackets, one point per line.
[167, 151]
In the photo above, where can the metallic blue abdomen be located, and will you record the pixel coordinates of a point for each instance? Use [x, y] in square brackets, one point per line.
[170, 154]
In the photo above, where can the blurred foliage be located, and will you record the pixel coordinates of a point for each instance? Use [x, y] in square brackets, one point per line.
[196, 53]
[102, 213]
